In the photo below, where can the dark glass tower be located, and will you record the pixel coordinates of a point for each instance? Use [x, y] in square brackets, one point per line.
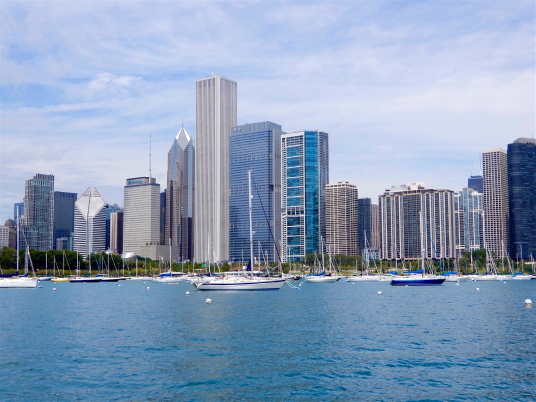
[476, 183]
[63, 214]
[255, 147]
[522, 197]
[364, 223]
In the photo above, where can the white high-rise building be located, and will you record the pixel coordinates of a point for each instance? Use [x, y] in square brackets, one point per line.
[89, 223]
[341, 219]
[141, 215]
[215, 115]
[468, 220]
[496, 210]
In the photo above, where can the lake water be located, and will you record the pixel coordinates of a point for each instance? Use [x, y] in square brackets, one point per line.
[338, 341]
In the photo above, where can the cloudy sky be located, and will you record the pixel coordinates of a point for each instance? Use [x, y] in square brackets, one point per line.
[408, 90]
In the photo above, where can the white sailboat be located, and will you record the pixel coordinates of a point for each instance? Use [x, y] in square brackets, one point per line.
[366, 277]
[245, 281]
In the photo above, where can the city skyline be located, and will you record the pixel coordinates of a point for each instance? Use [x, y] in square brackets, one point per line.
[410, 91]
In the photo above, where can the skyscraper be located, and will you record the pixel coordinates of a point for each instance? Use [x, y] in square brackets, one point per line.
[468, 220]
[496, 215]
[116, 232]
[141, 219]
[400, 228]
[38, 222]
[304, 177]
[476, 183]
[342, 218]
[255, 147]
[522, 197]
[89, 223]
[375, 230]
[215, 115]
[364, 225]
[63, 214]
[179, 209]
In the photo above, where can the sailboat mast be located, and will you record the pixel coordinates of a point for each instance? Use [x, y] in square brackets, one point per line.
[250, 222]
[422, 242]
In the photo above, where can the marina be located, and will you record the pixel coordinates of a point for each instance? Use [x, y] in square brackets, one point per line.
[347, 341]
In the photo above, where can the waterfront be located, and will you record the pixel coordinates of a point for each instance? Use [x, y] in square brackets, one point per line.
[324, 342]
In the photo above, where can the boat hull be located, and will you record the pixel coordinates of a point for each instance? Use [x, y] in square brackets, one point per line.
[365, 278]
[322, 279]
[239, 285]
[417, 281]
[85, 280]
[18, 283]
[169, 279]
[457, 279]
[60, 280]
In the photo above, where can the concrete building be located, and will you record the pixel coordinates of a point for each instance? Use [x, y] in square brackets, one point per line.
[496, 209]
[179, 208]
[63, 215]
[342, 218]
[468, 220]
[216, 99]
[89, 223]
[304, 177]
[8, 237]
[522, 198]
[37, 228]
[375, 229]
[400, 229]
[255, 147]
[141, 219]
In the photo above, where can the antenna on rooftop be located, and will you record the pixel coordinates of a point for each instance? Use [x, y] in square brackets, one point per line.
[150, 143]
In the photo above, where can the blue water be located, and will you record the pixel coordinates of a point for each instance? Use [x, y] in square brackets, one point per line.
[338, 341]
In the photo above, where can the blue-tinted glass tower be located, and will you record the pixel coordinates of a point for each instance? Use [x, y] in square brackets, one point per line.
[304, 177]
[364, 223]
[38, 222]
[255, 147]
[63, 215]
[476, 183]
[522, 197]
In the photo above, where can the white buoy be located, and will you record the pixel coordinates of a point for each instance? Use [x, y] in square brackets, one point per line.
[187, 293]
[379, 293]
[208, 301]
[148, 288]
[457, 283]
[528, 303]
[119, 285]
[477, 289]
[53, 289]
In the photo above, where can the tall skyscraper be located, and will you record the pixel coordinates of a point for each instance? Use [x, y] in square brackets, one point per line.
[476, 183]
[116, 232]
[364, 225]
[63, 214]
[342, 218]
[141, 219]
[468, 220]
[215, 115]
[38, 222]
[375, 230]
[18, 211]
[180, 196]
[304, 177]
[522, 197]
[496, 214]
[400, 228]
[89, 223]
[255, 147]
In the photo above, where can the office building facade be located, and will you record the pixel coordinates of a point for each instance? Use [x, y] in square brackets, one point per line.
[255, 147]
[400, 209]
[468, 220]
[375, 229]
[476, 183]
[216, 113]
[37, 228]
[63, 214]
[141, 214]
[304, 177]
[496, 235]
[116, 232]
[89, 223]
[522, 198]
[179, 208]
[342, 214]
[364, 226]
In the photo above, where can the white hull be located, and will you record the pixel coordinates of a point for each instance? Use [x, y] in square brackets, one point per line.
[60, 280]
[322, 279]
[454, 278]
[237, 283]
[140, 278]
[522, 277]
[18, 283]
[169, 279]
[486, 278]
[365, 278]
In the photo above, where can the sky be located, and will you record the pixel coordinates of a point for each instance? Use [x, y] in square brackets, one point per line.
[407, 90]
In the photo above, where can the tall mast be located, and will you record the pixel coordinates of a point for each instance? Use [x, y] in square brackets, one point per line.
[250, 222]
[150, 146]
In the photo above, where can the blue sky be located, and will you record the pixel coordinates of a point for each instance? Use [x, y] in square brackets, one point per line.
[408, 90]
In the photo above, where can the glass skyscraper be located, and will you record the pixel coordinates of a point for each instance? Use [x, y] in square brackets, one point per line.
[304, 177]
[468, 220]
[364, 225]
[476, 183]
[255, 147]
[63, 214]
[38, 222]
[522, 197]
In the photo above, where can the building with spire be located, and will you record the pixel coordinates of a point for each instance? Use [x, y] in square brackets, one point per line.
[216, 113]
[89, 223]
[179, 202]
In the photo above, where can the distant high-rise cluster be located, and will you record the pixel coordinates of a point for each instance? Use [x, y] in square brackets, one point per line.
[203, 213]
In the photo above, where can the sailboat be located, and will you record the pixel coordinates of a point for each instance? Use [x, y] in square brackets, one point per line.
[416, 279]
[239, 282]
[366, 277]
